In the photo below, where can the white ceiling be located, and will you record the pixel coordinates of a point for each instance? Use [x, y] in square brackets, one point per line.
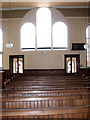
[27, 4]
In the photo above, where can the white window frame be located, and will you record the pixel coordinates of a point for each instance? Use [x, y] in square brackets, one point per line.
[88, 47]
[1, 50]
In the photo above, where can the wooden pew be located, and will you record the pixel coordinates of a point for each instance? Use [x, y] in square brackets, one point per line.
[58, 87]
[47, 82]
[14, 93]
[46, 97]
[47, 114]
[44, 101]
[55, 78]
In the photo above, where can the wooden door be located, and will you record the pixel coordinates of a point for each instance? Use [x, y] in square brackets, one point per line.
[16, 64]
[72, 64]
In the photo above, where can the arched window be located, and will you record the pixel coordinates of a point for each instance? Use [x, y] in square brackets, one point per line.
[28, 36]
[59, 35]
[43, 22]
[1, 46]
[88, 42]
[44, 30]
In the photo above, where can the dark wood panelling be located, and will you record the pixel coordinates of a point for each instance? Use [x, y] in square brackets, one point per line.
[31, 72]
[7, 73]
[74, 12]
[67, 12]
[37, 72]
[89, 12]
[1, 78]
[14, 13]
[84, 72]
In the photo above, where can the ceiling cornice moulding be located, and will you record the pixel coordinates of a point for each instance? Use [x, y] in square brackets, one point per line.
[45, 0]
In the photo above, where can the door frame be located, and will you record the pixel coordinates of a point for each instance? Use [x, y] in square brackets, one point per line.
[11, 62]
[77, 62]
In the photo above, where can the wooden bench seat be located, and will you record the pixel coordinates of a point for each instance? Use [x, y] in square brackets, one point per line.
[67, 112]
[64, 90]
[47, 83]
[14, 93]
[49, 76]
[50, 79]
[44, 102]
[60, 87]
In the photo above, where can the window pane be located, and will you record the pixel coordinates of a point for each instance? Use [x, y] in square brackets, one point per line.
[43, 22]
[88, 37]
[88, 42]
[15, 66]
[0, 60]
[68, 65]
[20, 65]
[28, 36]
[1, 41]
[74, 65]
[88, 32]
[60, 35]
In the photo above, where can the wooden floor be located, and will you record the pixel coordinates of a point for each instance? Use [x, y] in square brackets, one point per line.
[46, 97]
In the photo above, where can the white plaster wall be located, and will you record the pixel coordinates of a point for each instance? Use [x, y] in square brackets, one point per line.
[53, 59]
